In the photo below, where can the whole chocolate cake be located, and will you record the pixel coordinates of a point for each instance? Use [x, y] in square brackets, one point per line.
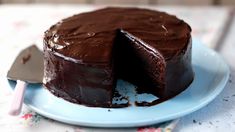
[85, 54]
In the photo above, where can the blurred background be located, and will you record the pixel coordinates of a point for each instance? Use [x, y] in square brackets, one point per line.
[132, 2]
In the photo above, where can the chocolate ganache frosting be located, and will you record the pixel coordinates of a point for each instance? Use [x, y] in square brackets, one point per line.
[85, 54]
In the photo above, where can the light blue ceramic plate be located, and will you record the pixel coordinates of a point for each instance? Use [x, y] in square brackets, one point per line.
[211, 75]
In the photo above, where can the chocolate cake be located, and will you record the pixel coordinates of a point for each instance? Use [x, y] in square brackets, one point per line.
[85, 54]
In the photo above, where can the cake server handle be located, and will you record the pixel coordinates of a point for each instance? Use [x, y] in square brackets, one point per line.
[18, 98]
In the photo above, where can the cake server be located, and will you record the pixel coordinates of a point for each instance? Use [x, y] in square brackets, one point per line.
[27, 68]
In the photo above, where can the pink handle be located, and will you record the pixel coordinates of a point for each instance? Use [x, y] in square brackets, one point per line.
[18, 98]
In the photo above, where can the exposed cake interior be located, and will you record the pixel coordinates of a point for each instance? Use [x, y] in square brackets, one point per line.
[139, 63]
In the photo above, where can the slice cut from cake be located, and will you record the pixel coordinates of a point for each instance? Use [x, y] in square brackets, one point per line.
[85, 54]
[139, 63]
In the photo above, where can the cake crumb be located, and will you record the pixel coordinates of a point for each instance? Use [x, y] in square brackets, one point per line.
[109, 110]
[194, 121]
[199, 123]
[210, 123]
[26, 58]
[225, 100]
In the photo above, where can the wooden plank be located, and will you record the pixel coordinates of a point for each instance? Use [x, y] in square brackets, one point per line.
[185, 2]
[61, 1]
[121, 2]
[225, 31]
[153, 2]
[228, 2]
[15, 1]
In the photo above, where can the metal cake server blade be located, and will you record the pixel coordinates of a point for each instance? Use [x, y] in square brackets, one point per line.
[27, 68]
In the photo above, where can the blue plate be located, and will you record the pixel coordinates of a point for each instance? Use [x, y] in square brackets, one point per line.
[211, 75]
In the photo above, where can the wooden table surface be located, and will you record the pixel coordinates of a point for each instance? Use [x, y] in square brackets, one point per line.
[22, 25]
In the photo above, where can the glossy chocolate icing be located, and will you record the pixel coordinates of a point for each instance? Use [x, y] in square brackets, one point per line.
[86, 53]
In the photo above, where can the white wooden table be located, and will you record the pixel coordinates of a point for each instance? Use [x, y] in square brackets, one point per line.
[219, 115]
[22, 25]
